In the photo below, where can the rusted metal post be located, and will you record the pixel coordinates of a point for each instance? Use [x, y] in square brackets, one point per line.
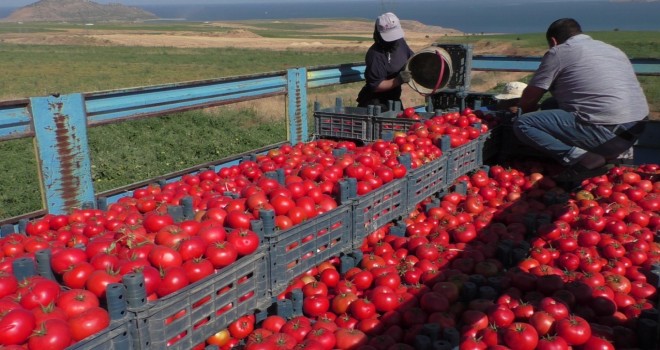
[297, 105]
[60, 126]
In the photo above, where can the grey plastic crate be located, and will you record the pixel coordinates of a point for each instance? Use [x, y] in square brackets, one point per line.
[203, 308]
[465, 158]
[426, 181]
[339, 122]
[461, 99]
[386, 124]
[377, 208]
[476, 100]
[116, 336]
[343, 127]
[304, 246]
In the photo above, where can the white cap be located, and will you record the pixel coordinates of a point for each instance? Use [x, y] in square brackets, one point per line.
[511, 90]
[389, 27]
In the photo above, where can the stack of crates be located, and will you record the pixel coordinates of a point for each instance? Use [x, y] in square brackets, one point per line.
[187, 317]
[344, 123]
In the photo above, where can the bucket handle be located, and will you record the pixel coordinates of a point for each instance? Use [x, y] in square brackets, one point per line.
[442, 72]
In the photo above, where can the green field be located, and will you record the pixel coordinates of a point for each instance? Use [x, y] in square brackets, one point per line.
[133, 151]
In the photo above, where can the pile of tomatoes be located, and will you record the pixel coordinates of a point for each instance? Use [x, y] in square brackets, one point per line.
[38, 313]
[92, 248]
[453, 280]
[591, 253]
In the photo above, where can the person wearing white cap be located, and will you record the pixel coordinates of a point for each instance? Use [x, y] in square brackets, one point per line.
[385, 61]
[599, 107]
[510, 96]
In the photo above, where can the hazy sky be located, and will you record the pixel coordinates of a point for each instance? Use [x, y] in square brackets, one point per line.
[11, 3]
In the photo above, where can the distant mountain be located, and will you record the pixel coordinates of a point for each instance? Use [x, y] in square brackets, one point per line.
[77, 11]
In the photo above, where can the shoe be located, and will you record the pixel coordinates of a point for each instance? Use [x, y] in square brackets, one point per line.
[571, 178]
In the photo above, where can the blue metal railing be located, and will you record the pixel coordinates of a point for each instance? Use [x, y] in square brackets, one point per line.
[642, 66]
[59, 122]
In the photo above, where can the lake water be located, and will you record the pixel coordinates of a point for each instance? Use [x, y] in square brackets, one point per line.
[470, 16]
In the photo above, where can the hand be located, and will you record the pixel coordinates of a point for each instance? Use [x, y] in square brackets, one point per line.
[405, 76]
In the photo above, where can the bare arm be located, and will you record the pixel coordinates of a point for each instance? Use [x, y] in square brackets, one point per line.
[388, 84]
[530, 98]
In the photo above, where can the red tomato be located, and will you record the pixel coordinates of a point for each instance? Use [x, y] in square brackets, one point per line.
[38, 291]
[552, 343]
[76, 301]
[350, 338]
[618, 283]
[281, 204]
[501, 316]
[543, 322]
[51, 334]
[330, 277]
[221, 254]
[89, 322]
[164, 257]
[172, 279]
[521, 336]
[212, 232]
[273, 323]
[315, 305]
[241, 328]
[238, 219]
[197, 269]
[341, 302]
[323, 336]
[597, 343]
[154, 221]
[191, 247]
[282, 341]
[63, 259]
[574, 329]
[297, 327]
[315, 288]
[245, 241]
[16, 326]
[49, 312]
[170, 236]
[409, 112]
[557, 309]
[362, 309]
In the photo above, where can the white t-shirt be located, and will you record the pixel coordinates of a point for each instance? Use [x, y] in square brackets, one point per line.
[593, 80]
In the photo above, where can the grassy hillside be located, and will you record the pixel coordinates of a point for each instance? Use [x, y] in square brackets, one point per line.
[133, 151]
[36, 70]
